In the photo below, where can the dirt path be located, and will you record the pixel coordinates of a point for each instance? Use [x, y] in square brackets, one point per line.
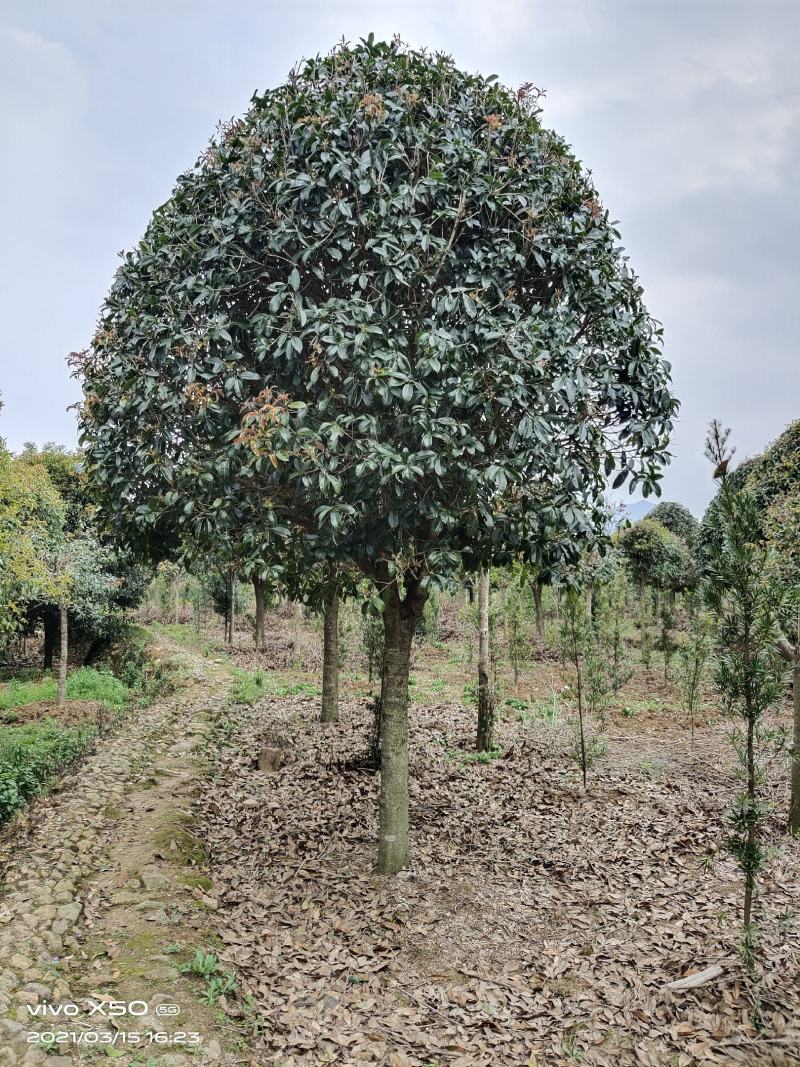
[103, 894]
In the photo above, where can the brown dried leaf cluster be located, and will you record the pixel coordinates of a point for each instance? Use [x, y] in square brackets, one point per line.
[536, 925]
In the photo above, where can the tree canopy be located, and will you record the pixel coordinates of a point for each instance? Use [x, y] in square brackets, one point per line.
[656, 556]
[773, 477]
[387, 306]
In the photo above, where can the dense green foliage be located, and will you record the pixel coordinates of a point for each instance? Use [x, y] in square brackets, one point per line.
[31, 756]
[52, 553]
[384, 321]
[677, 519]
[387, 307]
[656, 556]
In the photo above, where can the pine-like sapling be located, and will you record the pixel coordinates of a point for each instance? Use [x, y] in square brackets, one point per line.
[746, 602]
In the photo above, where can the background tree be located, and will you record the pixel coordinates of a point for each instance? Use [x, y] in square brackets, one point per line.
[31, 523]
[657, 558]
[388, 302]
[693, 657]
[782, 529]
[677, 519]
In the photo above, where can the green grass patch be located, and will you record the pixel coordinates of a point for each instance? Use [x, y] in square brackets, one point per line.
[17, 694]
[183, 633]
[482, 757]
[251, 686]
[248, 686]
[32, 756]
[83, 684]
[90, 684]
[632, 708]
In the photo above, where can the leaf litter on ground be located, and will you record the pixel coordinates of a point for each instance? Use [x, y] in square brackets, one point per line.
[536, 923]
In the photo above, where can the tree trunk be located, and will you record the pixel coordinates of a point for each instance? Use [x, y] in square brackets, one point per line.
[49, 639]
[260, 594]
[399, 621]
[297, 640]
[537, 604]
[330, 656]
[231, 607]
[485, 736]
[794, 807]
[62, 663]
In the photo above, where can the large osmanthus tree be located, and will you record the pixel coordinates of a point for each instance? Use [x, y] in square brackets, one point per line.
[387, 303]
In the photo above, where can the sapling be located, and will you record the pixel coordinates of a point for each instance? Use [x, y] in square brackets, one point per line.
[577, 647]
[484, 740]
[609, 621]
[517, 612]
[745, 599]
[645, 641]
[372, 641]
[666, 641]
[693, 657]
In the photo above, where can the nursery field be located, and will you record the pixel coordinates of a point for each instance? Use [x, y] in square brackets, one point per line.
[537, 922]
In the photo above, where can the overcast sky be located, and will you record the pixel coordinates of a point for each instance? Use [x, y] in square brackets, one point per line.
[687, 112]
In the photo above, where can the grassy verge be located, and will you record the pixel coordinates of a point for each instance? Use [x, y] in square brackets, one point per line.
[32, 756]
[84, 684]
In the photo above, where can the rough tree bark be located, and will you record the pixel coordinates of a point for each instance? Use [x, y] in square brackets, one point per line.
[330, 656]
[485, 736]
[400, 617]
[260, 594]
[62, 663]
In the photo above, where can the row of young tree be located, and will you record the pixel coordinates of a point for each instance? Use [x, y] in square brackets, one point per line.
[59, 576]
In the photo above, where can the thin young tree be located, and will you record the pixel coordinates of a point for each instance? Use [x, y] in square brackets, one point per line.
[746, 602]
[330, 648]
[575, 635]
[484, 740]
